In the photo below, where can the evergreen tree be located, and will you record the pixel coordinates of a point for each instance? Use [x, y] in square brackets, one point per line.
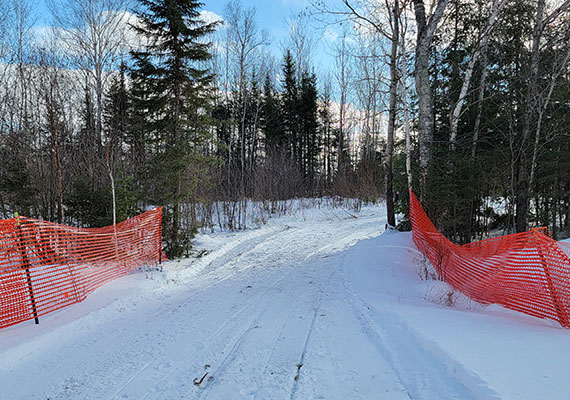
[289, 107]
[86, 143]
[121, 145]
[173, 92]
[253, 120]
[328, 148]
[117, 115]
[271, 122]
[16, 187]
[309, 128]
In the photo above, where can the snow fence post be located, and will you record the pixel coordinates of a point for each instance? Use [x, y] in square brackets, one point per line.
[160, 237]
[26, 264]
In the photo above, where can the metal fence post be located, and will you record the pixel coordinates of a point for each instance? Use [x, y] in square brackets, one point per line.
[26, 264]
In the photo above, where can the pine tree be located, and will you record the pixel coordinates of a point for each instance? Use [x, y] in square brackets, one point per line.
[173, 94]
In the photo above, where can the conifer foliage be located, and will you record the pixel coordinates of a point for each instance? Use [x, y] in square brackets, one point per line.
[171, 96]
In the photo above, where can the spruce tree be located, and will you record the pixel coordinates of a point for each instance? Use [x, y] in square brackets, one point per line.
[172, 94]
[326, 128]
[271, 122]
[289, 106]
[120, 146]
[310, 139]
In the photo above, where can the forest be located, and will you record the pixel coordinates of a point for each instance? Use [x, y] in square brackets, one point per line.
[120, 106]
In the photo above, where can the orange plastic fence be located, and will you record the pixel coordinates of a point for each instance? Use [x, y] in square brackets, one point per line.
[45, 266]
[527, 272]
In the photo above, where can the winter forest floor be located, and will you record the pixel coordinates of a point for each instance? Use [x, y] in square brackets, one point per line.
[319, 305]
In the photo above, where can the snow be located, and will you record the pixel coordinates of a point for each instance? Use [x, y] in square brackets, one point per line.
[319, 305]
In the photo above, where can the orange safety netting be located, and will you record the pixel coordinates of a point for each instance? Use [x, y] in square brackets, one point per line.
[527, 272]
[46, 266]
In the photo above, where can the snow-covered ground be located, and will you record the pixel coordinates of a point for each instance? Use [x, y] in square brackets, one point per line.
[320, 305]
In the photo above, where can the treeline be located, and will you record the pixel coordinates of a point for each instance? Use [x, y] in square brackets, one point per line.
[501, 100]
[480, 91]
[119, 106]
[122, 106]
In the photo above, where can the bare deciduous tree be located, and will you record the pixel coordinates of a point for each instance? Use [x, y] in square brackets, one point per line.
[301, 43]
[384, 19]
[93, 33]
[343, 72]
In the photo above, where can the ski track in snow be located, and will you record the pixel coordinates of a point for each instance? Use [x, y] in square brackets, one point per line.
[424, 369]
[264, 316]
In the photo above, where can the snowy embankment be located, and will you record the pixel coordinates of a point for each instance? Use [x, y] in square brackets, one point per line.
[319, 305]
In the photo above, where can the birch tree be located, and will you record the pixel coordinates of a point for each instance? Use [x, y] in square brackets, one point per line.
[426, 26]
[496, 7]
[93, 33]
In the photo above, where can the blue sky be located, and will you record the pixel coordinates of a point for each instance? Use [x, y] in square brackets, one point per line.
[272, 16]
[271, 13]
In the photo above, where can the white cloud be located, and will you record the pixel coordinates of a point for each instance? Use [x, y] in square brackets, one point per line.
[210, 16]
[330, 35]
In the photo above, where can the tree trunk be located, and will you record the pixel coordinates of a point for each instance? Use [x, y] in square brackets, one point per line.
[404, 99]
[112, 179]
[425, 32]
[392, 114]
[174, 234]
[542, 110]
[53, 126]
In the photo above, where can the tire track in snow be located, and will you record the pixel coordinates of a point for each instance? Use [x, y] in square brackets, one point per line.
[243, 248]
[302, 358]
[142, 377]
[285, 363]
[317, 308]
[221, 367]
[340, 362]
[297, 331]
[294, 240]
[229, 253]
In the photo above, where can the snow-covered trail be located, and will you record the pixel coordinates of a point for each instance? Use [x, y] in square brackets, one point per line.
[292, 310]
[241, 320]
